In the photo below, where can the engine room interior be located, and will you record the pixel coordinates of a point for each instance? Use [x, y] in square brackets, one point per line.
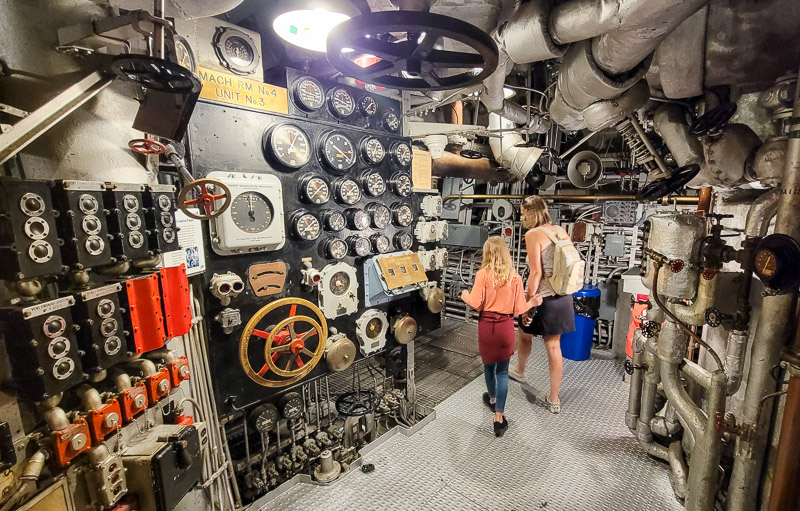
[236, 237]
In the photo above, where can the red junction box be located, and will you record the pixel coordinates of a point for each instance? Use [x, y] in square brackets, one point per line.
[177, 300]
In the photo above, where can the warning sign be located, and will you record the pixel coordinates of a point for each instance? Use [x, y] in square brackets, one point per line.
[243, 92]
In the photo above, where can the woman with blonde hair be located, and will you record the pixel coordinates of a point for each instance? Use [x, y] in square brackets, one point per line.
[554, 314]
[499, 296]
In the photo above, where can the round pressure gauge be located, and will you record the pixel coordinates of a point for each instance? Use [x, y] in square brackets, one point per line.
[402, 214]
[289, 145]
[401, 154]
[372, 151]
[338, 152]
[373, 183]
[335, 248]
[236, 50]
[32, 204]
[347, 191]
[251, 212]
[380, 243]
[340, 283]
[314, 189]
[359, 246]
[391, 122]
[265, 417]
[381, 216]
[403, 241]
[308, 94]
[341, 103]
[306, 226]
[291, 405]
[358, 219]
[401, 184]
[334, 221]
[368, 106]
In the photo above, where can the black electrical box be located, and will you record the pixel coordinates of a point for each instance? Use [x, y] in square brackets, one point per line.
[82, 223]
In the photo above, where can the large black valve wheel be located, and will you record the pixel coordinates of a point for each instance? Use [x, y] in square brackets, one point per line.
[404, 44]
[156, 74]
[661, 187]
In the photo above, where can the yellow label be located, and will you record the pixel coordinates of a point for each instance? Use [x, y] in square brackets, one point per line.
[421, 169]
[402, 270]
[243, 92]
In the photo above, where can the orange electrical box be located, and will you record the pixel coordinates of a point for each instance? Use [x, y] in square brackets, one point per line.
[70, 442]
[104, 421]
[133, 401]
[176, 300]
[157, 385]
[178, 371]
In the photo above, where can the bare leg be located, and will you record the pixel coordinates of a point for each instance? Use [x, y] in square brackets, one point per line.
[523, 352]
[555, 362]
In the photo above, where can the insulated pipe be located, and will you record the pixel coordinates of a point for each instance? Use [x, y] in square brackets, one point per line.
[667, 424]
[677, 395]
[670, 121]
[679, 470]
[493, 96]
[701, 491]
[122, 381]
[760, 214]
[90, 397]
[453, 165]
[147, 367]
[734, 360]
[507, 148]
[665, 201]
[635, 394]
[695, 314]
[648, 404]
[165, 355]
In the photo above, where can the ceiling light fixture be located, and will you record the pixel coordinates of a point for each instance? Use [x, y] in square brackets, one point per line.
[307, 28]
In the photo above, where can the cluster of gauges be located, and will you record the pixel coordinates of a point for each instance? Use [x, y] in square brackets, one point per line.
[314, 189]
[310, 96]
[289, 146]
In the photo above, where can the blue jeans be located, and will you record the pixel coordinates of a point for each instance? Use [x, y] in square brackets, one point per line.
[497, 383]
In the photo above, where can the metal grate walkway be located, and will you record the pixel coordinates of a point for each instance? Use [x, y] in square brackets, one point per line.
[583, 459]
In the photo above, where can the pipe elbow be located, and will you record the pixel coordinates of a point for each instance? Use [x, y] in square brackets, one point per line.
[90, 397]
[33, 468]
[147, 367]
[122, 380]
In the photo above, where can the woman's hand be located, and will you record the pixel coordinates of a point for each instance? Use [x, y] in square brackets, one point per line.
[536, 300]
[526, 319]
[465, 295]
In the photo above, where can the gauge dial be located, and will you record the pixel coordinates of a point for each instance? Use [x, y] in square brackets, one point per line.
[381, 216]
[403, 241]
[766, 264]
[306, 226]
[401, 184]
[314, 189]
[338, 152]
[341, 103]
[401, 154]
[357, 218]
[340, 283]
[372, 151]
[289, 145]
[251, 212]
[359, 246]
[391, 122]
[308, 94]
[291, 405]
[335, 248]
[265, 417]
[368, 106]
[380, 243]
[183, 54]
[334, 221]
[239, 52]
[403, 216]
[347, 191]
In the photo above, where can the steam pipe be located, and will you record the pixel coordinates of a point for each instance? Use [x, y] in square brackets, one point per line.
[30, 474]
[635, 394]
[164, 355]
[678, 199]
[760, 214]
[667, 424]
[670, 121]
[54, 416]
[507, 148]
[147, 367]
[648, 404]
[90, 397]
[734, 360]
[695, 313]
[122, 381]
[679, 470]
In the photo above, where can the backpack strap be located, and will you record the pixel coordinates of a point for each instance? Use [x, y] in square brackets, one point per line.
[551, 235]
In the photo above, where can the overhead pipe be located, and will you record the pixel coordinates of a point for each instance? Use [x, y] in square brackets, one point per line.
[453, 165]
[666, 200]
[508, 150]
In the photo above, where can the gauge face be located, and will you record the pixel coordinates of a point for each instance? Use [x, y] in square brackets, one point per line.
[266, 419]
[340, 283]
[368, 106]
[373, 182]
[334, 221]
[251, 212]
[347, 191]
[381, 216]
[306, 226]
[401, 154]
[338, 152]
[309, 95]
[401, 184]
[374, 327]
[372, 151]
[289, 145]
[335, 248]
[391, 122]
[183, 54]
[766, 264]
[403, 241]
[238, 51]
[380, 243]
[341, 103]
[359, 219]
[403, 216]
[359, 246]
[292, 405]
[314, 189]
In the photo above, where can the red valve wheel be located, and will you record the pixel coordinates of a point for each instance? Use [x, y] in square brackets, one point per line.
[204, 198]
[676, 266]
[147, 146]
[709, 273]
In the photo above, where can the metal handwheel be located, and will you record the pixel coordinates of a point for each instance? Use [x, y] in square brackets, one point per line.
[204, 199]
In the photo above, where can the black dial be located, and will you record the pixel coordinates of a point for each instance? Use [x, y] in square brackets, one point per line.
[401, 154]
[359, 246]
[251, 212]
[372, 151]
[338, 152]
[358, 219]
[403, 241]
[265, 418]
[347, 191]
[308, 94]
[289, 145]
[381, 216]
[306, 226]
[380, 243]
[314, 189]
[401, 184]
[334, 221]
[238, 51]
[291, 405]
[403, 216]
[373, 183]
[391, 122]
[341, 103]
[183, 54]
[335, 248]
[368, 106]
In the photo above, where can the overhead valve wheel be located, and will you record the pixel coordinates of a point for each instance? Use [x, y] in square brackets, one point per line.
[284, 345]
[146, 146]
[204, 198]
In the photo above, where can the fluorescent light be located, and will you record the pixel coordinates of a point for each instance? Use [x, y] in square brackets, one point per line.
[307, 28]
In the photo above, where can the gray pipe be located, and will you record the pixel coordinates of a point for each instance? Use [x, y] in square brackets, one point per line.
[734, 359]
[164, 355]
[701, 492]
[90, 397]
[147, 367]
[649, 392]
[760, 214]
[56, 418]
[670, 121]
[635, 394]
[122, 381]
[666, 424]
[679, 470]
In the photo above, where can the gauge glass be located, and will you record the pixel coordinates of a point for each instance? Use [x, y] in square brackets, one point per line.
[239, 51]
[307, 227]
[403, 216]
[374, 327]
[340, 283]
[359, 219]
[374, 184]
[368, 106]
[391, 122]
[381, 243]
[337, 249]
[348, 191]
[251, 212]
[309, 95]
[342, 103]
[315, 190]
[381, 216]
[403, 241]
[334, 221]
[359, 245]
[289, 144]
[338, 152]
[401, 183]
[292, 406]
[402, 154]
[766, 263]
[373, 151]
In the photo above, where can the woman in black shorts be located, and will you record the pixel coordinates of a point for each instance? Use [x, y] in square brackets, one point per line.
[554, 315]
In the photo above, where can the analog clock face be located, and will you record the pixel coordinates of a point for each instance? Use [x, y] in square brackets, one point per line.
[401, 184]
[374, 184]
[342, 104]
[309, 95]
[348, 191]
[314, 189]
[290, 146]
[373, 151]
[306, 226]
[402, 154]
[338, 152]
[251, 212]
[368, 106]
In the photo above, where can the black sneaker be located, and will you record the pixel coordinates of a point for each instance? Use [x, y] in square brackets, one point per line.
[500, 427]
[487, 401]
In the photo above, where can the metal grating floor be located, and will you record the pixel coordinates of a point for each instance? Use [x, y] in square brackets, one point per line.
[583, 459]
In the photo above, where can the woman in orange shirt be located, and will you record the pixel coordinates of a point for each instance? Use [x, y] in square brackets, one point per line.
[499, 296]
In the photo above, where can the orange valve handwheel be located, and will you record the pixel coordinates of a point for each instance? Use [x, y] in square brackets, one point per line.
[200, 194]
[147, 146]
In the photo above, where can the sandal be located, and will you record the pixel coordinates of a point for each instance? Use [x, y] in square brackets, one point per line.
[516, 376]
[554, 407]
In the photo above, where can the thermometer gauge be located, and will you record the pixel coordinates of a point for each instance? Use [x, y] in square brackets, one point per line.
[401, 184]
[359, 246]
[341, 103]
[380, 243]
[334, 221]
[306, 226]
[372, 151]
[373, 182]
[338, 152]
[391, 122]
[403, 216]
[314, 189]
[335, 248]
[308, 94]
[347, 191]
